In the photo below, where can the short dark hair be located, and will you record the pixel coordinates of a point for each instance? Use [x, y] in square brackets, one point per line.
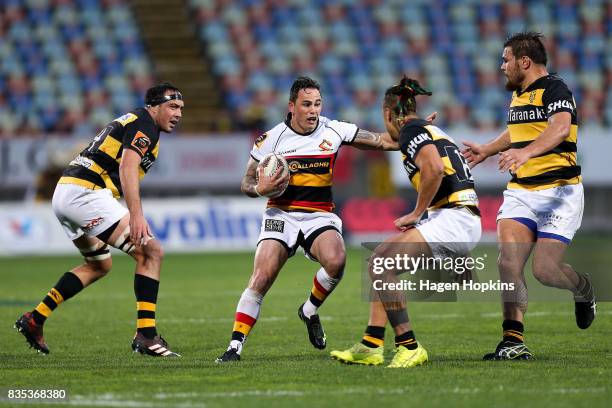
[155, 94]
[302, 82]
[400, 98]
[528, 44]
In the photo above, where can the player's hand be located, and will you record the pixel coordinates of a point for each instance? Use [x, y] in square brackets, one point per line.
[512, 159]
[269, 184]
[474, 153]
[432, 116]
[407, 221]
[140, 233]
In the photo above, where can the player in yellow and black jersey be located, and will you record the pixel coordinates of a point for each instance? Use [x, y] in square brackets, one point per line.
[85, 203]
[445, 189]
[544, 200]
[97, 166]
[457, 185]
[528, 117]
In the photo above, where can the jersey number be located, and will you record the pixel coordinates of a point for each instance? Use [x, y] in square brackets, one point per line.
[95, 144]
[462, 170]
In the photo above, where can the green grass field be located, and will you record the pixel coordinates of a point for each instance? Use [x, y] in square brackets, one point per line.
[90, 337]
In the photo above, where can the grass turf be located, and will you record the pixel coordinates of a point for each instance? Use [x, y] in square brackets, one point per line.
[90, 337]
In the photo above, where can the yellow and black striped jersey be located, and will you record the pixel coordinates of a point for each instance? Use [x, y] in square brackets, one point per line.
[457, 187]
[97, 166]
[527, 118]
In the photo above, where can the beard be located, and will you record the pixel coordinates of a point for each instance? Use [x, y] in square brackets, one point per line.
[511, 86]
[514, 83]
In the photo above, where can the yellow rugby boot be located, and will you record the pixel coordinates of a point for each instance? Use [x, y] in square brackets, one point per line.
[405, 358]
[360, 354]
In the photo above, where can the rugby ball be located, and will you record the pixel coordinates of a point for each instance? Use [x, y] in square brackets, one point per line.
[270, 163]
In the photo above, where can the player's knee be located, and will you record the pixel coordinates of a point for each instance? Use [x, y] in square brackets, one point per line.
[544, 272]
[153, 251]
[334, 265]
[507, 265]
[261, 281]
[101, 268]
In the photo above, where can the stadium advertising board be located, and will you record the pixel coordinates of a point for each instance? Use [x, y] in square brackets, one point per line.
[182, 225]
[183, 161]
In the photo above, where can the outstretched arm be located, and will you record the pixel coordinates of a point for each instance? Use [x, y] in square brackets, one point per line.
[367, 140]
[475, 153]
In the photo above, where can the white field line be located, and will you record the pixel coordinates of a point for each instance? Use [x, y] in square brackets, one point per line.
[161, 399]
[546, 314]
[324, 318]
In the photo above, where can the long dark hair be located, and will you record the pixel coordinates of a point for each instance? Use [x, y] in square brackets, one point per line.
[400, 98]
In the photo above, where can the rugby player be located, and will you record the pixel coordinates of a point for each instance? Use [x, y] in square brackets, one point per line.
[85, 203]
[544, 200]
[303, 214]
[452, 228]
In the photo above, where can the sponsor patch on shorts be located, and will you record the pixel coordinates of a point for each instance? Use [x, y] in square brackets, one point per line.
[274, 226]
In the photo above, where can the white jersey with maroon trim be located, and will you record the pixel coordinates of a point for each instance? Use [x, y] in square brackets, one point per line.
[311, 159]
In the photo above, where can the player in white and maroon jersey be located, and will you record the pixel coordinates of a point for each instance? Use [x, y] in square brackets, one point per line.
[303, 214]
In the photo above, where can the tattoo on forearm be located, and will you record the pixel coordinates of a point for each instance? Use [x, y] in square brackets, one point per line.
[248, 185]
[249, 181]
[365, 136]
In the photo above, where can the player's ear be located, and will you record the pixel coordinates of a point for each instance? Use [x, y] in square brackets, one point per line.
[525, 62]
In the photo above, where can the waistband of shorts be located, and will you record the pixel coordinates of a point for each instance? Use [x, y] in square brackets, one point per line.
[471, 209]
[79, 182]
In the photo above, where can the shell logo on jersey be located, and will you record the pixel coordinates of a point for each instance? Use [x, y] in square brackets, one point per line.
[555, 106]
[141, 142]
[326, 146]
[414, 143]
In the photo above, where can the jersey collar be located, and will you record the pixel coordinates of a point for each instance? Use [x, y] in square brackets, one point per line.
[288, 123]
[534, 85]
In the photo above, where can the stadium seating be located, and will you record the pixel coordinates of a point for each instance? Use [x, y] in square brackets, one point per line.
[356, 49]
[66, 66]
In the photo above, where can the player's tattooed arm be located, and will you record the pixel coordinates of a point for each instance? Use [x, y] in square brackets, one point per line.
[249, 181]
[256, 184]
[368, 140]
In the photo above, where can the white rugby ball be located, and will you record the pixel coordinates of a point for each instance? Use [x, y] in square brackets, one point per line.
[270, 163]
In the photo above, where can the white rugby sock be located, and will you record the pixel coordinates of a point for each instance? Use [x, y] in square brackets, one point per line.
[323, 285]
[247, 313]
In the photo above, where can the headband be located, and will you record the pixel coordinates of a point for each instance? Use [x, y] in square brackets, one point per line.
[161, 99]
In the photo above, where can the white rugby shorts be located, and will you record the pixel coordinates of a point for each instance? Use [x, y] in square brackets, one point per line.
[451, 231]
[294, 228]
[81, 210]
[551, 213]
